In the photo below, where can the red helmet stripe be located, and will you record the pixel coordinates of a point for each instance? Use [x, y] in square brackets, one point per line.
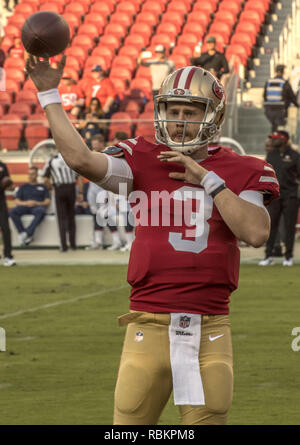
[189, 78]
[178, 75]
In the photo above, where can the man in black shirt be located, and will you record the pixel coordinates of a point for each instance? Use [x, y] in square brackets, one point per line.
[5, 183]
[286, 163]
[212, 60]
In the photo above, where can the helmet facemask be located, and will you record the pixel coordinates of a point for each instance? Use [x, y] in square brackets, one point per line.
[207, 127]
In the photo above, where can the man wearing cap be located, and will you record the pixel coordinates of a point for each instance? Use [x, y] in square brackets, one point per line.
[100, 86]
[286, 163]
[70, 93]
[278, 96]
[160, 67]
[212, 60]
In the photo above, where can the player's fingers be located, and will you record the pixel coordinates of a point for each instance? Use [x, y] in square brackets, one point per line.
[177, 175]
[29, 64]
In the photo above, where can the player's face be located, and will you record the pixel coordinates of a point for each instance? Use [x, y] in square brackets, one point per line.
[184, 112]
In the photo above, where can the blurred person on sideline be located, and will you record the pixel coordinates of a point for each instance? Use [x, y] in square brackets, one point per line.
[160, 66]
[32, 198]
[278, 96]
[211, 60]
[6, 183]
[286, 164]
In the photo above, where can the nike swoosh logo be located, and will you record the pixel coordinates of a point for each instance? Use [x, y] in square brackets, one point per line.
[215, 338]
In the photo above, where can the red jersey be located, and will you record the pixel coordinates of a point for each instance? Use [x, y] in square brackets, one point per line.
[173, 268]
[69, 95]
[102, 90]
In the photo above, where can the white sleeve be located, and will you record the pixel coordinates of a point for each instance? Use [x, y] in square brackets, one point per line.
[254, 197]
[118, 178]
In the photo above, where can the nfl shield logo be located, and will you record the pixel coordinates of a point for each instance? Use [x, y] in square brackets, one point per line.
[184, 321]
[139, 336]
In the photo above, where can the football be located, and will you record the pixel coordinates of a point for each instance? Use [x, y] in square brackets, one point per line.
[45, 34]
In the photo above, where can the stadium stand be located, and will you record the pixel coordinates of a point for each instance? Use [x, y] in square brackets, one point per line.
[113, 33]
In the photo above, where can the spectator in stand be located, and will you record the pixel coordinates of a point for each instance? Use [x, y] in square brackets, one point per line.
[17, 49]
[98, 143]
[102, 88]
[160, 66]
[31, 199]
[5, 184]
[286, 163]
[70, 93]
[211, 60]
[278, 96]
[90, 125]
[7, 4]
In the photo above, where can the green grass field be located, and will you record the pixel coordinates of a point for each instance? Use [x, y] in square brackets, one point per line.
[63, 345]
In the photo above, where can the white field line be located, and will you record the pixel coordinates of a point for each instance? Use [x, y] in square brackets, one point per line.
[58, 303]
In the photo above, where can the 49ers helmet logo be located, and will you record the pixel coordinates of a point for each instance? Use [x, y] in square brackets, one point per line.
[179, 91]
[218, 89]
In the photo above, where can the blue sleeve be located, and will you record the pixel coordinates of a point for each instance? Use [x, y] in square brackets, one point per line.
[19, 193]
[47, 194]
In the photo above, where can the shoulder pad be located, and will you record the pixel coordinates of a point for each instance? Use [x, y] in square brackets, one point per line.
[112, 150]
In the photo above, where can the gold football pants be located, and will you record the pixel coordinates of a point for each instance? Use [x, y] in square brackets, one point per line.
[144, 382]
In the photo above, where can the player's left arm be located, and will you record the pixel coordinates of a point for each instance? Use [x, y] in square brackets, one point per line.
[247, 221]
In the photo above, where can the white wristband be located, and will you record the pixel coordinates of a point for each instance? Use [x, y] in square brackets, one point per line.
[211, 182]
[49, 97]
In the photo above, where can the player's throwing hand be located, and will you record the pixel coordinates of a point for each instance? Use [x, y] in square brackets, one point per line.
[194, 173]
[42, 74]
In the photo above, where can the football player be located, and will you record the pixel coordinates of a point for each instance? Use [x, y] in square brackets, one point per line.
[182, 274]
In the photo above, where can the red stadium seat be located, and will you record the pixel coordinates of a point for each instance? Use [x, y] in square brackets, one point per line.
[167, 28]
[120, 73]
[77, 52]
[143, 29]
[37, 118]
[26, 97]
[2, 109]
[149, 106]
[229, 5]
[130, 51]
[207, 7]
[127, 7]
[72, 20]
[188, 40]
[154, 7]
[9, 137]
[96, 19]
[199, 17]
[103, 8]
[123, 19]
[115, 123]
[142, 84]
[225, 17]
[257, 6]
[237, 50]
[25, 8]
[136, 40]
[133, 109]
[116, 29]
[181, 7]
[51, 6]
[88, 29]
[34, 134]
[148, 18]
[248, 28]
[146, 131]
[7, 43]
[73, 62]
[251, 17]
[124, 62]
[15, 74]
[221, 28]
[194, 28]
[5, 99]
[183, 50]
[85, 42]
[173, 17]
[120, 86]
[96, 60]
[76, 8]
[105, 52]
[111, 42]
[21, 109]
[143, 72]
[180, 60]
[13, 119]
[29, 86]
[17, 20]
[163, 39]
[243, 38]
[11, 31]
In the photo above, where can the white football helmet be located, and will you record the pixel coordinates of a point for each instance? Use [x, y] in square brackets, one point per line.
[190, 85]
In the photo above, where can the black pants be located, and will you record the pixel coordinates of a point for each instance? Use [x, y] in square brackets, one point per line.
[4, 225]
[65, 196]
[276, 115]
[288, 207]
